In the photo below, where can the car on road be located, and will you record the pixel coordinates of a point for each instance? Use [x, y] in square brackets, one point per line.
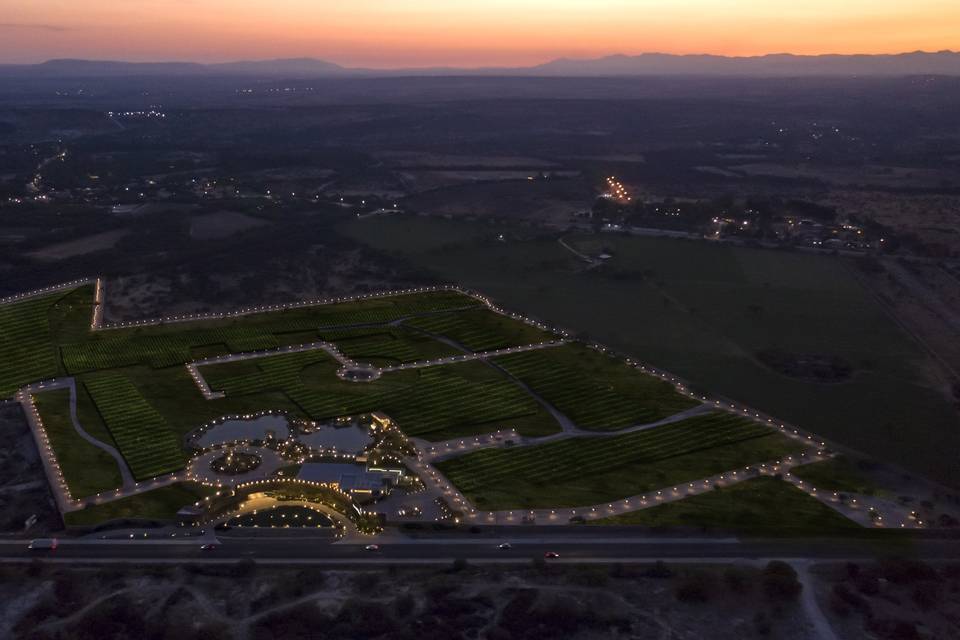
[551, 554]
[43, 544]
[504, 546]
[372, 547]
[210, 546]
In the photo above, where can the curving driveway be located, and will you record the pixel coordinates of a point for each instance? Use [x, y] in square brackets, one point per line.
[70, 383]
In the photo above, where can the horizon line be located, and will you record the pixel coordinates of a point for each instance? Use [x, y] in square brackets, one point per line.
[310, 58]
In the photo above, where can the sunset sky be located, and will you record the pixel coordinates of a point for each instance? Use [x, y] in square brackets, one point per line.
[404, 33]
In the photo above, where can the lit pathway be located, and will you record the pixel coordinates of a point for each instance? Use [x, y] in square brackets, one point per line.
[268, 308]
[437, 451]
[198, 469]
[370, 372]
[259, 502]
[66, 286]
[561, 516]
[70, 383]
[856, 509]
[58, 485]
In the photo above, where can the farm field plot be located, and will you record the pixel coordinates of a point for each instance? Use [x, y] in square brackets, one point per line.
[585, 471]
[704, 311]
[387, 345]
[140, 431]
[173, 393]
[27, 349]
[759, 507]
[595, 391]
[434, 403]
[87, 469]
[368, 311]
[164, 345]
[838, 474]
[481, 329]
[448, 402]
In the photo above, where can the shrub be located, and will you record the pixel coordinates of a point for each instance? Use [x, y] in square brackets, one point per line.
[853, 600]
[927, 594]
[762, 623]
[780, 581]
[867, 583]
[838, 605]
[892, 629]
[589, 576]
[695, 588]
[737, 579]
[404, 604]
[659, 570]
[366, 581]
[902, 571]
[363, 619]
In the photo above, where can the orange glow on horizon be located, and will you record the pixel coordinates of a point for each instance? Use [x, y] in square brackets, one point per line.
[408, 33]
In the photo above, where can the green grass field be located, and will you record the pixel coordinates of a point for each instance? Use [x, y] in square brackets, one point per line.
[757, 507]
[87, 469]
[837, 474]
[480, 330]
[435, 403]
[157, 504]
[704, 311]
[135, 393]
[27, 348]
[140, 431]
[586, 471]
[704, 315]
[387, 346]
[165, 345]
[594, 390]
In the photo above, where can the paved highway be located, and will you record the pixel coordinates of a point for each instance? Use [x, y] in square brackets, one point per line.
[293, 549]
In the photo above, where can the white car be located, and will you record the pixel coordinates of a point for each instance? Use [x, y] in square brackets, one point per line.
[505, 546]
[372, 547]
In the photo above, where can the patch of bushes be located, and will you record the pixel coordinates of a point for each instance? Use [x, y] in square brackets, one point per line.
[780, 581]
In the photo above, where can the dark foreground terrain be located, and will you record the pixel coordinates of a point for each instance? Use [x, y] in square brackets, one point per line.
[755, 600]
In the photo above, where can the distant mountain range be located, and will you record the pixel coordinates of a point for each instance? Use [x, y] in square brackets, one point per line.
[647, 64]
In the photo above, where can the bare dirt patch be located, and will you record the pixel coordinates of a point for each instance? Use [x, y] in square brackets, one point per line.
[221, 224]
[80, 246]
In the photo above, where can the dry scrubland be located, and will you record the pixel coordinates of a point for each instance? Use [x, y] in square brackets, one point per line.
[450, 603]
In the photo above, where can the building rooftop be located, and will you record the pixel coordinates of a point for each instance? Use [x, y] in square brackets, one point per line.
[349, 477]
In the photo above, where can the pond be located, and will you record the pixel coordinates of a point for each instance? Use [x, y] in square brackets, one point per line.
[249, 429]
[350, 439]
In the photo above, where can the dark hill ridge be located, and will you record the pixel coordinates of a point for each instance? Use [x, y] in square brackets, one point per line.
[779, 64]
[647, 64]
